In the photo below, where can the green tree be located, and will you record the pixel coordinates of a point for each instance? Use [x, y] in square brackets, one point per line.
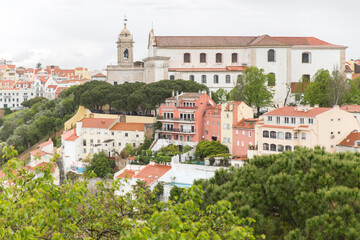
[101, 165]
[209, 148]
[353, 96]
[31, 102]
[220, 96]
[34, 208]
[252, 87]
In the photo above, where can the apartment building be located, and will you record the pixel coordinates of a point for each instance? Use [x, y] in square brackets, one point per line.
[243, 136]
[182, 116]
[286, 128]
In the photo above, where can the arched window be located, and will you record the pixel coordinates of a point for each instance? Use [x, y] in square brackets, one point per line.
[272, 134]
[172, 77]
[216, 79]
[287, 148]
[280, 148]
[273, 147]
[218, 58]
[192, 78]
[271, 79]
[203, 79]
[227, 79]
[265, 134]
[266, 146]
[126, 54]
[203, 57]
[305, 57]
[186, 57]
[280, 135]
[288, 136]
[234, 58]
[271, 55]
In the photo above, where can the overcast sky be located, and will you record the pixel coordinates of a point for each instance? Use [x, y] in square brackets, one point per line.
[72, 33]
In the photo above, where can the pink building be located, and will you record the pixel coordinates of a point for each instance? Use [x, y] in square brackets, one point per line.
[212, 123]
[243, 136]
[182, 116]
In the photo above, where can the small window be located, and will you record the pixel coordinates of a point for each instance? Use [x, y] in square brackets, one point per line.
[311, 121]
[126, 134]
[265, 134]
[234, 58]
[293, 120]
[296, 136]
[277, 120]
[280, 148]
[301, 120]
[216, 78]
[172, 77]
[286, 120]
[280, 135]
[271, 55]
[269, 118]
[203, 79]
[227, 79]
[306, 78]
[202, 57]
[186, 57]
[266, 146]
[306, 57]
[287, 148]
[272, 134]
[218, 58]
[192, 78]
[303, 136]
[273, 147]
[288, 136]
[271, 79]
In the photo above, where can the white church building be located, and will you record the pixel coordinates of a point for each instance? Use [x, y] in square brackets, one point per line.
[218, 61]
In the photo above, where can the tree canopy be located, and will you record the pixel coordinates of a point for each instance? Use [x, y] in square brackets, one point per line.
[34, 208]
[304, 194]
[101, 166]
[252, 88]
[209, 148]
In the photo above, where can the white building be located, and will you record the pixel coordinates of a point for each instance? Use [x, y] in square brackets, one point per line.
[218, 61]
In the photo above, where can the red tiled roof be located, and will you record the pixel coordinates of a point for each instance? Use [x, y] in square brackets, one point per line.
[303, 126]
[291, 111]
[70, 135]
[97, 122]
[52, 86]
[127, 174]
[246, 123]
[99, 75]
[151, 173]
[123, 126]
[41, 166]
[38, 153]
[349, 141]
[309, 41]
[44, 144]
[351, 108]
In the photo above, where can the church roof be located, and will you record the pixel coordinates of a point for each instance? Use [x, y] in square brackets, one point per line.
[239, 41]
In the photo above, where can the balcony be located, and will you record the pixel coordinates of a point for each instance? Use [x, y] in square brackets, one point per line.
[162, 119]
[176, 130]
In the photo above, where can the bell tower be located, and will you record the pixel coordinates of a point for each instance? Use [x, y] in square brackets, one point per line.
[125, 45]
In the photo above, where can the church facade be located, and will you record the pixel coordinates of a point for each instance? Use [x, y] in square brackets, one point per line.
[218, 61]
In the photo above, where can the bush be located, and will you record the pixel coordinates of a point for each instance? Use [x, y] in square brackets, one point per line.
[101, 165]
[209, 148]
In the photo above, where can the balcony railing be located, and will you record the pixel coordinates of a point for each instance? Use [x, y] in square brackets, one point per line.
[177, 130]
[176, 119]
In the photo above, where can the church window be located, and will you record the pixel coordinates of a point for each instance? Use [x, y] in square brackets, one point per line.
[126, 54]
[203, 79]
[186, 57]
[227, 78]
[271, 55]
[271, 79]
[216, 78]
[306, 57]
[192, 78]
[172, 77]
[234, 57]
[218, 58]
[202, 57]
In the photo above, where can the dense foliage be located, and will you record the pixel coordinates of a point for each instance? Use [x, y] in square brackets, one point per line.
[34, 208]
[305, 194]
[101, 166]
[209, 148]
[137, 98]
[28, 126]
[253, 88]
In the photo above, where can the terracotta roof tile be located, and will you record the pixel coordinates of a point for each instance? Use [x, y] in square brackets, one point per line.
[202, 41]
[350, 140]
[70, 135]
[151, 173]
[295, 111]
[97, 122]
[128, 127]
[351, 108]
[127, 174]
[246, 123]
[278, 126]
[44, 144]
